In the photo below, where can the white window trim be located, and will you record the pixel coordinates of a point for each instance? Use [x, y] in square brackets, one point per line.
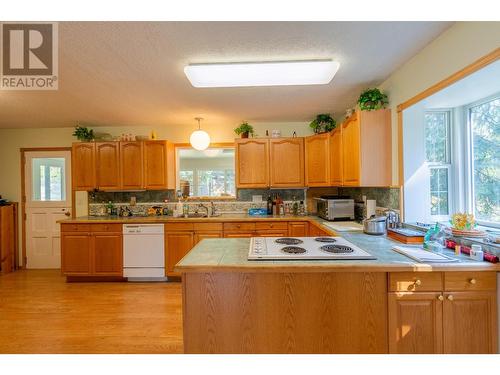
[469, 173]
[450, 162]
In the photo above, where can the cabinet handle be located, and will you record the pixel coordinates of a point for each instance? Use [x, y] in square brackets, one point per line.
[472, 281]
[450, 298]
[440, 298]
[271, 225]
[418, 282]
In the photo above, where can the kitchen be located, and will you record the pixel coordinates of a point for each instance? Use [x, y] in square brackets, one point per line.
[224, 211]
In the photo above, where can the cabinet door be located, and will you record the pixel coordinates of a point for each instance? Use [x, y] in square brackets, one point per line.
[107, 165]
[415, 323]
[470, 323]
[317, 169]
[286, 164]
[239, 234]
[155, 165]
[83, 166]
[252, 163]
[198, 236]
[271, 233]
[107, 254]
[75, 254]
[336, 157]
[177, 244]
[298, 229]
[351, 152]
[131, 165]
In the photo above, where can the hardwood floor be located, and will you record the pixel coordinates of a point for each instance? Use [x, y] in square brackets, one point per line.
[41, 313]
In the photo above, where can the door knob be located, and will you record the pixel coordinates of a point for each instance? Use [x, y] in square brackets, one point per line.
[450, 298]
[440, 298]
[67, 213]
[418, 282]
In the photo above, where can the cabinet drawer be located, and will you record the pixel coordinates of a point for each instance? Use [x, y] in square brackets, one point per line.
[106, 228]
[271, 233]
[207, 226]
[271, 225]
[456, 281]
[178, 226]
[239, 226]
[75, 227]
[415, 281]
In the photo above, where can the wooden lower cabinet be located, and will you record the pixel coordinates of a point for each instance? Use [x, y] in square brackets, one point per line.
[470, 323]
[75, 254]
[443, 321]
[91, 253]
[415, 323]
[177, 244]
[298, 229]
[107, 252]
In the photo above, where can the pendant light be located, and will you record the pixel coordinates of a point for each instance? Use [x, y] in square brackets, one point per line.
[200, 140]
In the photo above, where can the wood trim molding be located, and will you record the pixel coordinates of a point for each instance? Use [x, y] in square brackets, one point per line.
[469, 69]
[23, 195]
[212, 145]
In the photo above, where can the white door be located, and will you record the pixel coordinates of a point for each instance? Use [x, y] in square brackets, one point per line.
[48, 199]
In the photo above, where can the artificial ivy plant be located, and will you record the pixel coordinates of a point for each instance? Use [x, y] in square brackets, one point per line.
[372, 99]
[323, 123]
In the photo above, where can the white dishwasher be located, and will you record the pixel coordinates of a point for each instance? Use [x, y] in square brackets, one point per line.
[144, 252]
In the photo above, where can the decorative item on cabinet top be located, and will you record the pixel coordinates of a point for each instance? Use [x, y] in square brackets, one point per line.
[245, 129]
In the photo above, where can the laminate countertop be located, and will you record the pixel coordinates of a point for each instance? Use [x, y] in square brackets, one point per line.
[230, 255]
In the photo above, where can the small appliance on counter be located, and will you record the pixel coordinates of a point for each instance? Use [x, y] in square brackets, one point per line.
[304, 248]
[335, 207]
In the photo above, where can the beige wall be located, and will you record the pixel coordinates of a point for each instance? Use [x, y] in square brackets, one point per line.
[457, 47]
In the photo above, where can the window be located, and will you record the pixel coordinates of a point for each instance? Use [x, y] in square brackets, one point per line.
[48, 179]
[484, 134]
[208, 173]
[437, 153]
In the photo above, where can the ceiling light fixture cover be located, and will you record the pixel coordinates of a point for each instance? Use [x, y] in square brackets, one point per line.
[280, 73]
[200, 140]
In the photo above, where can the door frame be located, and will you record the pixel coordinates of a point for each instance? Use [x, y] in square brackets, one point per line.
[23, 194]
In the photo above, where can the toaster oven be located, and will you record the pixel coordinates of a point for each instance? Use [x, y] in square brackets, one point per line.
[335, 208]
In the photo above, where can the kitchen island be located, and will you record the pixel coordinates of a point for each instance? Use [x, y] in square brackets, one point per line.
[387, 305]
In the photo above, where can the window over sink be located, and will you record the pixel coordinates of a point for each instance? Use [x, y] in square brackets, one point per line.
[207, 173]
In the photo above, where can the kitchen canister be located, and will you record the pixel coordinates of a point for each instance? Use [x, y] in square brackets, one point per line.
[276, 133]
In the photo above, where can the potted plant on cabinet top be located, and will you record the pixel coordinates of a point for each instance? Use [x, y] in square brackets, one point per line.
[83, 134]
[244, 130]
[372, 99]
[323, 123]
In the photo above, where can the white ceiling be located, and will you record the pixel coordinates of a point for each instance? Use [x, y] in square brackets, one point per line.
[131, 73]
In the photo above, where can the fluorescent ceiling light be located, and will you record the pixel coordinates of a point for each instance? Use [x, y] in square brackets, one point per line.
[282, 73]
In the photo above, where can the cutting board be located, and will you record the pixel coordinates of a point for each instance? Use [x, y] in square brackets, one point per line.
[344, 226]
[406, 235]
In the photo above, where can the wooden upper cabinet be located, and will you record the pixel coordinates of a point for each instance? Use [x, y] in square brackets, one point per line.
[83, 166]
[107, 165]
[336, 169]
[366, 149]
[317, 160]
[351, 157]
[286, 162]
[131, 165]
[158, 165]
[470, 323]
[252, 163]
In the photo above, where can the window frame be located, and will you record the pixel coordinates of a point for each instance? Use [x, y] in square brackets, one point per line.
[469, 162]
[448, 164]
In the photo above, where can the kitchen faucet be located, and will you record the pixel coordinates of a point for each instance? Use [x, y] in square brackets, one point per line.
[201, 205]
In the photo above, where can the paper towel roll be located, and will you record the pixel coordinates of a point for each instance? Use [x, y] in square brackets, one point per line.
[370, 207]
